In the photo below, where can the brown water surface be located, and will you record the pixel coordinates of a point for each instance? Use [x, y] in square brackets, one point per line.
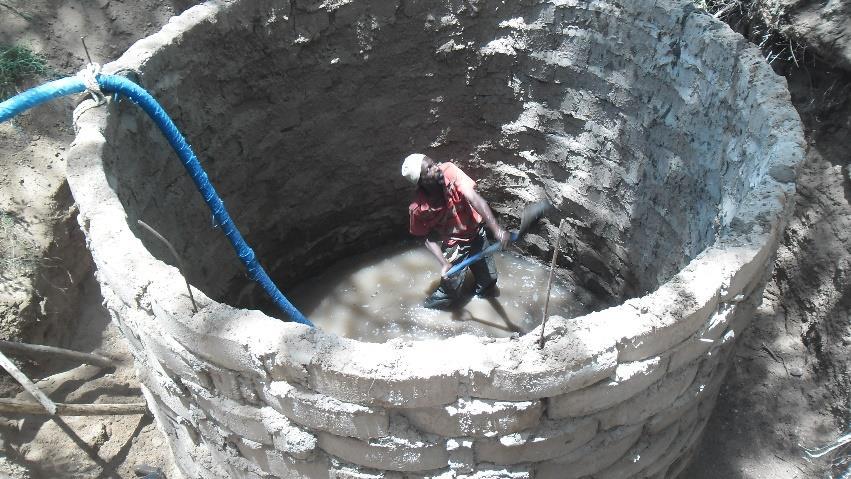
[378, 296]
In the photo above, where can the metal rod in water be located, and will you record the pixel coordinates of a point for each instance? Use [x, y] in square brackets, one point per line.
[550, 283]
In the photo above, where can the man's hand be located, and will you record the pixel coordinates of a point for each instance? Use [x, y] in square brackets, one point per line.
[434, 247]
[443, 269]
[502, 236]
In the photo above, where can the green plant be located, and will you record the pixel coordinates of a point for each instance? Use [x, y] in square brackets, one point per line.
[18, 63]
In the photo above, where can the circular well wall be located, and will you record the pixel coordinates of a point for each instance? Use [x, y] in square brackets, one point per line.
[663, 139]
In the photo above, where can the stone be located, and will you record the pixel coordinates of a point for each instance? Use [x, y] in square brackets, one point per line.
[326, 413]
[601, 452]
[551, 439]
[643, 454]
[403, 449]
[654, 399]
[628, 380]
[477, 417]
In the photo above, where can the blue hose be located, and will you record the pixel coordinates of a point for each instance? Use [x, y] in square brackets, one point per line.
[117, 84]
[472, 259]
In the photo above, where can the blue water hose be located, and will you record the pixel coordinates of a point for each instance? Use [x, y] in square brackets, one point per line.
[123, 86]
[472, 259]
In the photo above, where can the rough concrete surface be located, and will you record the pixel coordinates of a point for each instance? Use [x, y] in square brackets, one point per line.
[561, 110]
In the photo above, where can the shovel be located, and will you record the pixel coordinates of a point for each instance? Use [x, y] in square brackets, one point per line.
[532, 213]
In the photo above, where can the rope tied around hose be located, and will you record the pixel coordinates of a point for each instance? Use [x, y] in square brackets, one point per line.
[98, 85]
[89, 75]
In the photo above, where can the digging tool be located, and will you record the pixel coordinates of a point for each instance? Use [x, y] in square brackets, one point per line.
[532, 213]
[550, 284]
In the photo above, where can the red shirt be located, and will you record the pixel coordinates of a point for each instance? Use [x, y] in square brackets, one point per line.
[454, 221]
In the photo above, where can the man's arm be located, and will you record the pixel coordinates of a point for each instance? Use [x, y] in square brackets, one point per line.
[482, 207]
[433, 245]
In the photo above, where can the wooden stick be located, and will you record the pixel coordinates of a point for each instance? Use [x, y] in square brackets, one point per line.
[36, 350]
[176, 258]
[550, 284]
[31, 388]
[15, 406]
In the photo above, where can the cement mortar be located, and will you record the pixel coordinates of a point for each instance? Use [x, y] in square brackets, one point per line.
[662, 137]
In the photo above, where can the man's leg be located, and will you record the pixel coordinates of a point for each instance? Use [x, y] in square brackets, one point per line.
[447, 292]
[483, 270]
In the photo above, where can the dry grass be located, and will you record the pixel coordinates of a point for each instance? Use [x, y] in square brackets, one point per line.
[760, 26]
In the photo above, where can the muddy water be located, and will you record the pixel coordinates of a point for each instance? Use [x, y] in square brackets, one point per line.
[378, 296]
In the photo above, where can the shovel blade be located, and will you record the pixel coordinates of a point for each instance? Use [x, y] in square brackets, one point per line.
[531, 214]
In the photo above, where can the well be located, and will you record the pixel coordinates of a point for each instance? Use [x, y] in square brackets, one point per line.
[662, 137]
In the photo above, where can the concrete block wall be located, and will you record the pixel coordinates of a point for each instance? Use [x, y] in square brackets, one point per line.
[622, 392]
[623, 119]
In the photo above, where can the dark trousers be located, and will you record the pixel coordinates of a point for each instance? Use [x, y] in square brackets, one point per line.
[484, 273]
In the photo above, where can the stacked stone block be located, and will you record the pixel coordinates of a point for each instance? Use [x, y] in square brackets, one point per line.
[663, 138]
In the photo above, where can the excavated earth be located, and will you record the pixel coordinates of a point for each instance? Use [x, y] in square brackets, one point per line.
[788, 383]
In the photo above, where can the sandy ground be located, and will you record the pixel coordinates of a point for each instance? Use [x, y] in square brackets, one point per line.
[88, 447]
[34, 206]
[788, 385]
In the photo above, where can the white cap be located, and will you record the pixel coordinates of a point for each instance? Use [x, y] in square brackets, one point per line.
[412, 166]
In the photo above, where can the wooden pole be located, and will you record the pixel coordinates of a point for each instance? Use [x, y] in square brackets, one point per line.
[15, 406]
[38, 351]
[31, 388]
[550, 284]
